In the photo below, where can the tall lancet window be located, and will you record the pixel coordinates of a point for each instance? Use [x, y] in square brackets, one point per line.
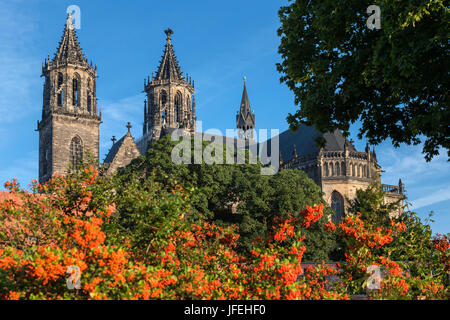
[89, 96]
[178, 107]
[337, 204]
[76, 90]
[162, 104]
[76, 152]
[60, 89]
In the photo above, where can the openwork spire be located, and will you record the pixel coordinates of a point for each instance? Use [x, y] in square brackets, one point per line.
[169, 67]
[69, 50]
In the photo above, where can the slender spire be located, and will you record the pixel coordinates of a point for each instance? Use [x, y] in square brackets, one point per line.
[69, 50]
[169, 67]
[245, 103]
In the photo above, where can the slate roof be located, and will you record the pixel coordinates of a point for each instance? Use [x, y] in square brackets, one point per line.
[113, 151]
[304, 141]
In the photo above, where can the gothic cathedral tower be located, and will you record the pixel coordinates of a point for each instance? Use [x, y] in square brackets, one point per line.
[69, 128]
[245, 119]
[170, 96]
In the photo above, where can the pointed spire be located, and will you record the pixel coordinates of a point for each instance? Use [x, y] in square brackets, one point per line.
[169, 67]
[245, 103]
[367, 148]
[69, 49]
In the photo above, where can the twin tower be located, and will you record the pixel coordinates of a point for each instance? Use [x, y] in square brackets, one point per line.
[69, 129]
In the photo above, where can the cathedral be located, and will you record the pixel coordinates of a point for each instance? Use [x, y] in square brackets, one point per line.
[69, 128]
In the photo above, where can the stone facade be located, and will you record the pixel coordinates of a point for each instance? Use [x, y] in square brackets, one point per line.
[121, 154]
[170, 96]
[69, 128]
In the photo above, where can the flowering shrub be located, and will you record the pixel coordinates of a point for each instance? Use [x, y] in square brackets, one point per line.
[62, 242]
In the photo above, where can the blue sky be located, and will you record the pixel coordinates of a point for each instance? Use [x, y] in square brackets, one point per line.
[217, 43]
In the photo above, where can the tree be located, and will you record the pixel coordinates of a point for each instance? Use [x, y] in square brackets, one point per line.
[395, 80]
[228, 194]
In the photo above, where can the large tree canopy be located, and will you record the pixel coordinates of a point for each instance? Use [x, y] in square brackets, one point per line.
[395, 79]
[227, 194]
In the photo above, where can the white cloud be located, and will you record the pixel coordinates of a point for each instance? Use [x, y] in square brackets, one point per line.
[20, 70]
[440, 195]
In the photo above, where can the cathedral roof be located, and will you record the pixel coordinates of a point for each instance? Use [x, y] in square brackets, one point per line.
[169, 67]
[113, 151]
[69, 49]
[303, 142]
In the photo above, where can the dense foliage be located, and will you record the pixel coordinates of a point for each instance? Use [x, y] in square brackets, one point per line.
[65, 240]
[395, 79]
[227, 194]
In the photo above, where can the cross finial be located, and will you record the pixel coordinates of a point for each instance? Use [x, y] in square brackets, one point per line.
[129, 127]
[168, 33]
[113, 139]
[245, 78]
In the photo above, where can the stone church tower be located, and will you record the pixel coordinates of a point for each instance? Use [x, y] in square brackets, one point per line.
[69, 128]
[170, 96]
[245, 119]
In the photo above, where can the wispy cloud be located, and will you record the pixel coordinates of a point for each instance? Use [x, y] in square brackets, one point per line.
[19, 68]
[115, 115]
[437, 196]
[408, 163]
[21, 169]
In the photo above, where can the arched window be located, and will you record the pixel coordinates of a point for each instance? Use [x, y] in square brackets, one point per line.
[359, 170]
[178, 107]
[337, 204]
[338, 169]
[343, 168]
[331, 169]
[162, 99]
[353, 170]
[76, 84]
[60, 89]
[326, 170]
[88, 96]
[76, 152]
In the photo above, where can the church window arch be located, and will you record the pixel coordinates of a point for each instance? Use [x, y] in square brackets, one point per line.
[337, 204]
[76, 84]
[60, 89]
[338, 169]
[353, 170]
[326, 170]
[178, 106]
[89, 95]
[343, 168]
[76, 152]
[331, 169]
